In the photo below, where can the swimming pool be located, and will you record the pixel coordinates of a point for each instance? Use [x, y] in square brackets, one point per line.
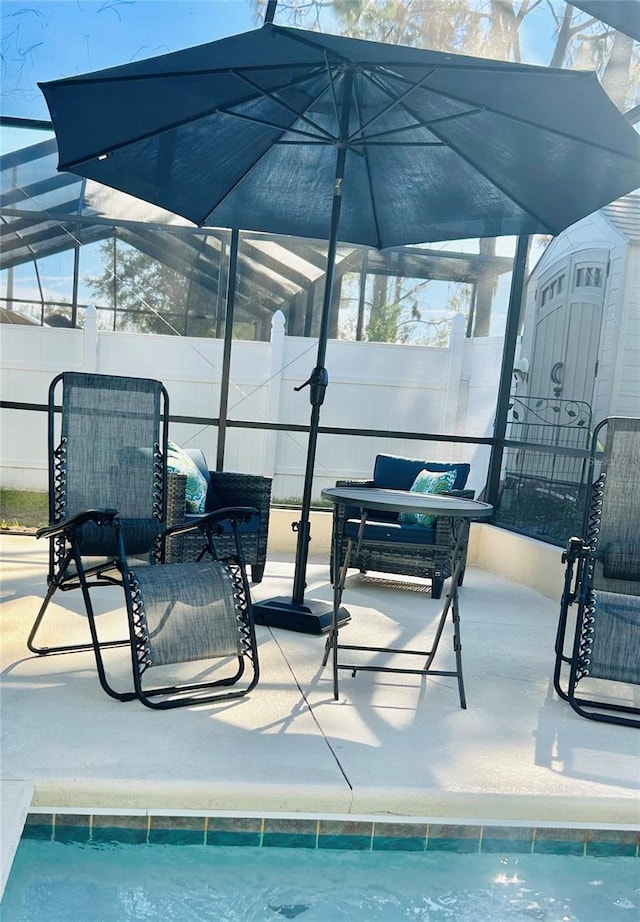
[107, 881]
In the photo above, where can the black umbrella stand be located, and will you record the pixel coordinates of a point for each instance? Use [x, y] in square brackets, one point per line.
[296, 614]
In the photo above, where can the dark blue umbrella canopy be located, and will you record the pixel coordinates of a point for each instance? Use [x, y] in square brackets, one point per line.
[623, 15]
[243, 133]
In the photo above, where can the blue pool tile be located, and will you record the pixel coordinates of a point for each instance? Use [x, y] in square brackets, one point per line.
[559, 841]
[399, 843]
[405, 837]
[354, 843]
[71, 827]
[176, 837]
[234, 831]
[345, 834]
[289, 840]
[120, 835]
[222, 837]
[507, 840]
[177, 830]
[38, 826]
[453, 838]
[129, 830]
[290, 833]
[608, 843]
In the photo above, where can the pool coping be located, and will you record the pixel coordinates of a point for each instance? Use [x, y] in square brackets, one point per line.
[15, 801]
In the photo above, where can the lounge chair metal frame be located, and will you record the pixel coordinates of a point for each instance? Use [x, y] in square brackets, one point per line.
[204, 607]
[605, 590]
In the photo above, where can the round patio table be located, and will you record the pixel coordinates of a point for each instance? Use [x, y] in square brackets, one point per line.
[368, 499]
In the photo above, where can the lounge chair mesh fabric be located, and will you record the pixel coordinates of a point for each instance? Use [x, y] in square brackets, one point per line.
[114, 464]
[186, 612]
[617, 533]
[610, 647]
[128, 410]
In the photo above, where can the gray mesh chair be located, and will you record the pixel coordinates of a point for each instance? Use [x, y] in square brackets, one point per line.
[601, 654]
[107, 502]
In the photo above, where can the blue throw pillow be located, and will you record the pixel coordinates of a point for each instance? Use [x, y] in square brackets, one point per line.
[179, 462]
[428, 482]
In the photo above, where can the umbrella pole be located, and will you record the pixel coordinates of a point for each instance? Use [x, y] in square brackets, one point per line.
[314, 617]
[317, 382]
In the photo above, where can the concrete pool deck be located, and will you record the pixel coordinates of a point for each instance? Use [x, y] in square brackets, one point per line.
[391, 746]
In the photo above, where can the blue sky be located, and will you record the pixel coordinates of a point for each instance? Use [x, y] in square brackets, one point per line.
[48, 39]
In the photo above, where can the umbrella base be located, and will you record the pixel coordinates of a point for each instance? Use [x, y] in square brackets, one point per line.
[312, 617]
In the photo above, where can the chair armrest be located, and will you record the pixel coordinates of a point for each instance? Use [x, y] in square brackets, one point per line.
[203, 523]
[99, 516]
[463, 494]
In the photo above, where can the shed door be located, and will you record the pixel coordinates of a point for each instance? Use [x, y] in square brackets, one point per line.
[569, 307]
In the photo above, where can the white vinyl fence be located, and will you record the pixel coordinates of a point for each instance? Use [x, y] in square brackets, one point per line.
[371, 385]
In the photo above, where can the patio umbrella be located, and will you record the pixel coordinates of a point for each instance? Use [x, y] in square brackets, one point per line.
[292, 132]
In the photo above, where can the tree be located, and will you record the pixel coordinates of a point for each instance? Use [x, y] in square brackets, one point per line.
[486, 28]
[149, 296]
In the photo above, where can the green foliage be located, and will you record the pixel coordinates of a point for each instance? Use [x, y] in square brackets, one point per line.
[23, 510]
[150, 296]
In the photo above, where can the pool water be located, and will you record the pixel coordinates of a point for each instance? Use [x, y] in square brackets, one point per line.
[57, 882]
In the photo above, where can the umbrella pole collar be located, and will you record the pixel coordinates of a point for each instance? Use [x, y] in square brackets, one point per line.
[318, 381]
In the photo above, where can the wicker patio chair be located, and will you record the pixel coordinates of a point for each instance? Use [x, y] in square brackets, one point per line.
[225, 488]
[387, 545]
[107, 498]
[601, 651]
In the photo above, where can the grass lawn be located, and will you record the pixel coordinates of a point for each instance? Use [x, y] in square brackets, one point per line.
[23, 510]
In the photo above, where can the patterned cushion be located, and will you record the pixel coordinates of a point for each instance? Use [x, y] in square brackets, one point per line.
[179, 462]
[428, 482]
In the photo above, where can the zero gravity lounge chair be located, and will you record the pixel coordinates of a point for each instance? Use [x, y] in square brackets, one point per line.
[107, 501]
[597, 666]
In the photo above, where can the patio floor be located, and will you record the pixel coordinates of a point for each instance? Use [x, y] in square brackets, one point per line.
[392, 745]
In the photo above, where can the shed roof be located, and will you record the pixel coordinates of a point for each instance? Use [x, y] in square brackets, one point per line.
[624, 215]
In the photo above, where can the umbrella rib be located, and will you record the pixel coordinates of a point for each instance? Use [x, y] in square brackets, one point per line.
[89, 80]
[70, 164]
[332, 87]
[419, 123]
[447, 143]
[393, 104]
[241, 116]
[268, 95]
[513, 118]
[369, 180]
[497, 185]
[101, 152]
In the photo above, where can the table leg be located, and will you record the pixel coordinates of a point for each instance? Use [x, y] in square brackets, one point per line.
[331, 645]
[457, 645]
[452, 603]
